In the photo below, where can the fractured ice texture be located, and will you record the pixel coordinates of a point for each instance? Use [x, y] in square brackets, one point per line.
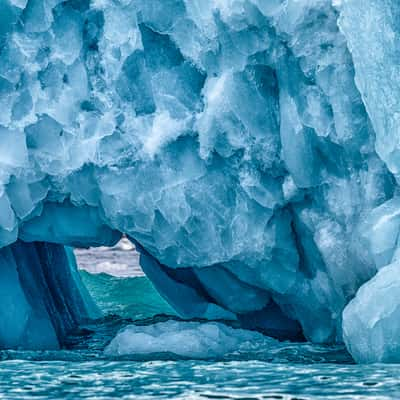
[249, 148]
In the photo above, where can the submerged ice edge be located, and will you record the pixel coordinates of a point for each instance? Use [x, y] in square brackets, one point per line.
[176, 339]
[244, 146]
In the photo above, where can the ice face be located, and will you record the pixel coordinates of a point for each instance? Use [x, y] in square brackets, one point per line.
[375, 55]
[247, 147]
[370, 321]
[187, 339]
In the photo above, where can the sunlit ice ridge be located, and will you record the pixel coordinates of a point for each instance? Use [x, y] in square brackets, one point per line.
[249, 148]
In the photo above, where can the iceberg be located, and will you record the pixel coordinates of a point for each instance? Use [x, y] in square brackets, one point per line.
[248, 148]
[187, 339]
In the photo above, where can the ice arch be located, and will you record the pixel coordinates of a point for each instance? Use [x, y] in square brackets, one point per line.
[238, 143]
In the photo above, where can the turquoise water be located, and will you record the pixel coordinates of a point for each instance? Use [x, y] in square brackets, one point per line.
[133, 297]
[291, 371]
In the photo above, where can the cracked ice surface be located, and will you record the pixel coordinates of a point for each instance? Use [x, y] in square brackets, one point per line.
[234, 141]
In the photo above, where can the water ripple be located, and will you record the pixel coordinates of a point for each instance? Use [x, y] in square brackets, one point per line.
[20, 379]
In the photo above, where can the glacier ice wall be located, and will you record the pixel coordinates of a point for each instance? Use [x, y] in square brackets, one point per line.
[248, 147]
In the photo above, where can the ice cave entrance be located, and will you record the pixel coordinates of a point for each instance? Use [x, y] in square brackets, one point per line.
[44, 295]
[117, 283]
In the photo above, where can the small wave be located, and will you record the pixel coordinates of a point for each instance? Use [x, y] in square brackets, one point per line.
[133, 298]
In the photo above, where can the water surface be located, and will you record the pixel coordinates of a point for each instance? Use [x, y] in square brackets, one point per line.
[103, 379]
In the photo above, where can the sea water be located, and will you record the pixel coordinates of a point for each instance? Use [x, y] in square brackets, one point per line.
[126, 296]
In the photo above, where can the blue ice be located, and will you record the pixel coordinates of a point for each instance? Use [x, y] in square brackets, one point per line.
[249, 148]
